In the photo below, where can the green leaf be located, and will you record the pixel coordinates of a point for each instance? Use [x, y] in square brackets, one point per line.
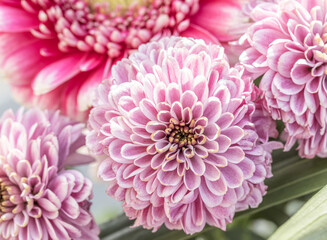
[310, 222]
[241, 233]
[293, 178]
[275, 214]
[257, 81]
[114, 225]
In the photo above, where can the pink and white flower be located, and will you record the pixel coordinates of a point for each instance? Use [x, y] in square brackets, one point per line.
[55, 52]
[288, 46]
[177, 127]
[38, 198]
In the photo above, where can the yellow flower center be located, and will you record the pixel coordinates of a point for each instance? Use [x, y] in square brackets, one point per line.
[120, 6]
[4, 198]
[181, 133]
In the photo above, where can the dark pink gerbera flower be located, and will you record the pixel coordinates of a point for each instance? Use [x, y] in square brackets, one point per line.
[178, 129]
[38, 198]
[288, 45]
[55, 52]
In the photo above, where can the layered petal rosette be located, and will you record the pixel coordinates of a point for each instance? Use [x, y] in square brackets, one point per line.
[177, 127]
[288, 46]
[236, 16]
[55, 52]
[38, 198]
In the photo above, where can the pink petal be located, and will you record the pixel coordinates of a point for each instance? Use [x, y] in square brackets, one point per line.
[201, 88]
[118, 130]
[233, 175]
[297, 104]
[170, 178]
[229, 14]
[200, 151]
[198, 32]
[225, 120]
[211, 173]
[70, 208]
[151, 127]
[211, 146]
[195, 64]
[170, 165]
[212, 131]
[301, 72]
[212, 109]
[234, 154]
[137, 117]
[188, 99]
[262, 38]
[57, 73]
[162, 146]
[235, 133]
[105, 170]
[177, 111]
[216, 160]
[191, 180]
[171, 69]
[84, 93]
[259, 174]
[21, 219]
[218, 187]
[197, 111]
[208, 197]
[197, 165]
[157, 160]
[143, 161]
[148, 109]
[47, 205]
[286, 63]
[179, 194]
[274, 53]
[131, 171]
[247, 166]
[160, 92]
[132, 151]
[224, 143]
[286, 85]
[115, 149]
[22, 22]
[173, 93]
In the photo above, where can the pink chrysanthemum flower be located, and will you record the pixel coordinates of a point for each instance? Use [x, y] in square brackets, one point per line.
[55, 52]
[288, 45]
[178, 130]
[38, 198]
[236, 17]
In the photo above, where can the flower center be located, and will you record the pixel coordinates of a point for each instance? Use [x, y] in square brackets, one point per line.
[112, 27]
[181, 133]
[5, 204]
[117, 6]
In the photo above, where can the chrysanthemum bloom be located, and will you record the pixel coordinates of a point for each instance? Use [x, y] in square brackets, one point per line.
[315, 145]
[55, 52]
[236, 16]
[38, 198]
[288, 45]
[178, 130]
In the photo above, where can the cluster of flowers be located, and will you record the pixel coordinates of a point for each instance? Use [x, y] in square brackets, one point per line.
[167, 88]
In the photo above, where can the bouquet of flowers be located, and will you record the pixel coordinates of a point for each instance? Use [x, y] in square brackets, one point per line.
[206, 119]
